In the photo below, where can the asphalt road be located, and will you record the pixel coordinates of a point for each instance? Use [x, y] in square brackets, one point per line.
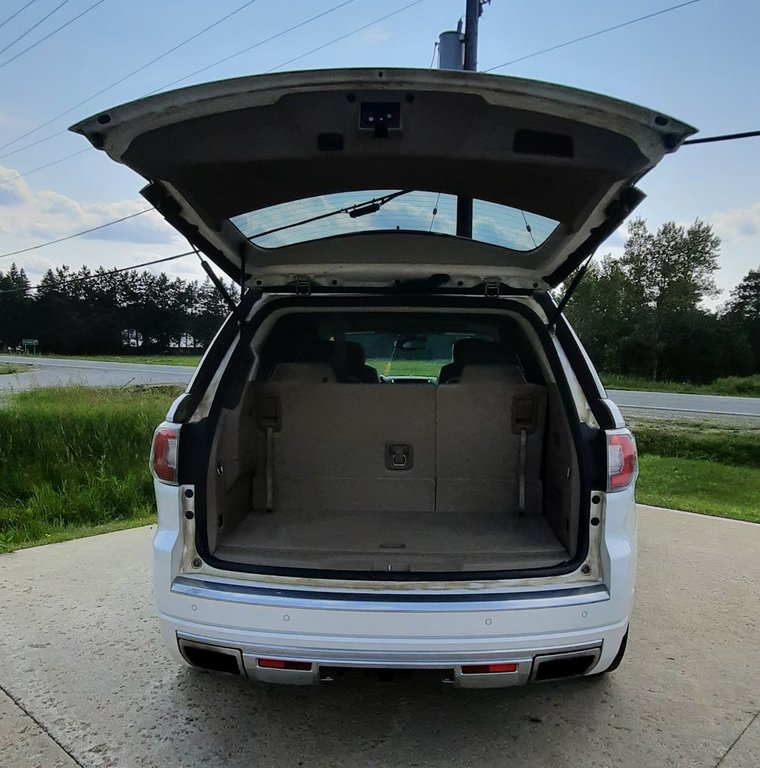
[90, 373]
[674, 405]
[84, 681]
[55, 373]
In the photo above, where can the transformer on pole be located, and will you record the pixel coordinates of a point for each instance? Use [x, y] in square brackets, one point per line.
[451, 49]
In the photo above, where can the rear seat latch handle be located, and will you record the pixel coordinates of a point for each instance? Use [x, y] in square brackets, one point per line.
[398, 457]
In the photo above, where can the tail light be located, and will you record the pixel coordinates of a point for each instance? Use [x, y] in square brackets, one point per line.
[622, 461]
[302, 666]
[163, 455]
[486, 669]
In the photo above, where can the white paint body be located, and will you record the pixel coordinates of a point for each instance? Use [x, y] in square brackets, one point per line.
[400, 626]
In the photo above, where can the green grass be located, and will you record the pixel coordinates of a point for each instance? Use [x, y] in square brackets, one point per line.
[84, 531]
[8, 368]
[700, 440]
[705, 487]
[186, 360]
[736, 386]
[699, 466]
[75, 460]
[407, 367]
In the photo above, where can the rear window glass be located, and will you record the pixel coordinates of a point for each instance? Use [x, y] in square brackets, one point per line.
[346, 213]
[394, 346]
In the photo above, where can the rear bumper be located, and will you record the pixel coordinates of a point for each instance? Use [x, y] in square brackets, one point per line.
[296, 666]
[521, 632]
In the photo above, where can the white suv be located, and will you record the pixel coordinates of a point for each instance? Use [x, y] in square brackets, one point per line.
[395, 453]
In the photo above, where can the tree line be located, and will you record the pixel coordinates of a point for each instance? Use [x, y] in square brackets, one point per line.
[643, 313]
[95, 312]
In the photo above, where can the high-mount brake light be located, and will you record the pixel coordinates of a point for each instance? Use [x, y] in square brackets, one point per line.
[163, 455]
[622, 460]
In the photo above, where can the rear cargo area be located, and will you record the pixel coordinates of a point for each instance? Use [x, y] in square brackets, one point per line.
[393, 541]
[475, 472]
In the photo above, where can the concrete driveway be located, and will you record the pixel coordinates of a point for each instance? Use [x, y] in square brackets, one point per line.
[85, 682]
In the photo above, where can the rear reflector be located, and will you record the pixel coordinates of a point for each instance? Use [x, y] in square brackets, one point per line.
[622, 462]
[163, 455]
[303, 666]
[488, 669]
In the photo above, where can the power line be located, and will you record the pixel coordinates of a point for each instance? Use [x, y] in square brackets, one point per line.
[33, 27]
[29, 146]
[97, 276]
[42, 167]
[348, 34]
[50, 34]
[255, 45]
[301, 56]
[76, 234]
[13, 15]
[125, 77]
[279, 34]
[724, 137]
[167, 85]
[592, 34]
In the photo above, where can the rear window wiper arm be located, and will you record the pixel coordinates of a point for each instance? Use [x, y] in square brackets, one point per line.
[354, 211]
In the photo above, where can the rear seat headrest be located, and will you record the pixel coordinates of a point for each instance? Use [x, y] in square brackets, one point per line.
[482, 352]
[316, 351]
[355, 354]
[347, 362]
[304, 373]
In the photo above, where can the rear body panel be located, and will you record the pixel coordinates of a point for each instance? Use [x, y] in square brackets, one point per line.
[440, 626]
[424, 621]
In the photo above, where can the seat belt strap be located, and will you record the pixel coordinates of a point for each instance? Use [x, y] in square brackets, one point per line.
[270, 468]
[523, 470]
[524, 415]
[269, 418]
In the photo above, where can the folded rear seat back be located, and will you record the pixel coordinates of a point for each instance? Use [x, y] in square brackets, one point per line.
[330, 446]
[490, 429]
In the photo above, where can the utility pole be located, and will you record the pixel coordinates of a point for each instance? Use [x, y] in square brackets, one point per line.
[472, 16]
[468, 61]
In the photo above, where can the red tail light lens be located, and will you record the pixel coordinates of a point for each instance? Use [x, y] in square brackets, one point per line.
[302, 666]
[486, 669]
[163, 456]
[622, 461]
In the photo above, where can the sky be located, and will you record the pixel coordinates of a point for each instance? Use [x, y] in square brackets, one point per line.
[697, 63]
